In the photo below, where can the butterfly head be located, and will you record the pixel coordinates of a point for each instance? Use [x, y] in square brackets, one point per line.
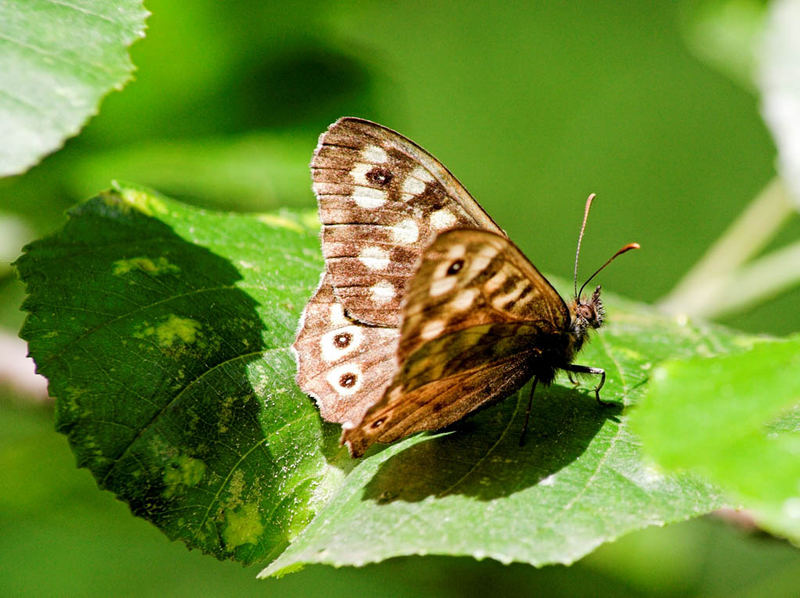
[587, 312]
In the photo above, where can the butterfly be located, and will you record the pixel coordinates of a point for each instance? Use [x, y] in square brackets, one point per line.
[425, 311]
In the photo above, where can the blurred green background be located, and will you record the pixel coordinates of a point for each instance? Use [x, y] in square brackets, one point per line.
[532, 106]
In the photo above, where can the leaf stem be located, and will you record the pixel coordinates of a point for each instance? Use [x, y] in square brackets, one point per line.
[760, 280]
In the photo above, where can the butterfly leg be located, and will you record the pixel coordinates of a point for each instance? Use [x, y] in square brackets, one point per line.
[528, 412]
[571, 379]
[585, 369]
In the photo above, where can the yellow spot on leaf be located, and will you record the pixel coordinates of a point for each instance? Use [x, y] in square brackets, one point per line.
[225, 414]
[144, 202]
[160, 266]
[172, 331]
[71, 399]
[281, 221]
[183, 471]
[243, 526]
[235, 489]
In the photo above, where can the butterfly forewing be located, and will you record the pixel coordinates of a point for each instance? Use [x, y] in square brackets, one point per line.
[478, 321]
[472, 278]
[343, 364]
[382, 200]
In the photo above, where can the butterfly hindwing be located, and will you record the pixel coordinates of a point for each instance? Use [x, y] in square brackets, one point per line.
[342, 363]
[382, 200]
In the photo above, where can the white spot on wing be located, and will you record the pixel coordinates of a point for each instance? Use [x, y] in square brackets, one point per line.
[464, 299]
[432, 329]
[359, 173]
[488, 250]
[502, 300]
[443, 285]
[415, 183]
[412, 187]
[382, 291]
[332, 352]
[442, 219]
[405, 232]
[374, 258]
[336, 315]
[456, 251]
[482, 258]
[495, 282]
[374, 154]
[369, 198]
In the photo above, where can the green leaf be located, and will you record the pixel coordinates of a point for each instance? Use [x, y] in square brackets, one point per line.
[735, 419]
[579, 481]
[165, 332]
[57, 60]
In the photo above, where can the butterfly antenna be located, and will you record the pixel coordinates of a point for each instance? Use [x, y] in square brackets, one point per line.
[589, 201]
[622, 250]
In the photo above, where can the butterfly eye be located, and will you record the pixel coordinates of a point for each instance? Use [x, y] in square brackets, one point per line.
[455, 267]
[378, 422]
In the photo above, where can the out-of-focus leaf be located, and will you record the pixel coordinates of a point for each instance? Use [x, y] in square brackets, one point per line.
[57, 60]
[13, 234]
[735, 419]
[251, 172]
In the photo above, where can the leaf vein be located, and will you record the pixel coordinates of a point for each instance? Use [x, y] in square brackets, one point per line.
[177, 396]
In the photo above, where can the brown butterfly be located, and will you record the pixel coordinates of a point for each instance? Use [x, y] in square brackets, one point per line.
[426, 310]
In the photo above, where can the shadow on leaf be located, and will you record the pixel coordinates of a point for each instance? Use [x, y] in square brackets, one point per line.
[481, 456]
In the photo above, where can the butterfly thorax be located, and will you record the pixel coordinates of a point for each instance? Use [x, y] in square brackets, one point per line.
[587, 314]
